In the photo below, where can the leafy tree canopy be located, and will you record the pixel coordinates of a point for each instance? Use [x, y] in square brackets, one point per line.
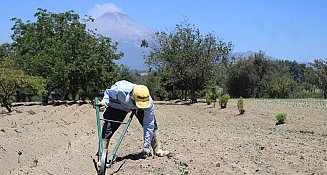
[59, 48]
[11, 80]
[321, 72]
[186, 58]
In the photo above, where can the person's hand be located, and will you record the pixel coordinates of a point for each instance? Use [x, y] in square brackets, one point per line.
[102, 106]
[146, 153]
[102, 103]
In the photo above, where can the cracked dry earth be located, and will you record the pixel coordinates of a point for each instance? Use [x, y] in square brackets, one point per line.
[203, 139]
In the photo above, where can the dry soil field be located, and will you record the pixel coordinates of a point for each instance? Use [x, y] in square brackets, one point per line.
[63, 139]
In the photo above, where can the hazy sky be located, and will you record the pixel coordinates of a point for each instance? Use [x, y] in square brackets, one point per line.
[284, 29]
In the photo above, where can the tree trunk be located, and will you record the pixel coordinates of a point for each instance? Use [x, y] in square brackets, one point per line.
[8, 108]
[193, 97]
[185, 94]
[6, 104]
[45, 98]
[74, 95]
[174, 93]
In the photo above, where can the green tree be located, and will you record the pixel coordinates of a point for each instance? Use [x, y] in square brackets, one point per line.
[278, 86]
[156, 85]
[241, 79]
[5, 50]
[9, 81]
[59, 48]
[257, 76]
[124, 73]
[12, 79]
[185, 58]
[263, 67]
[310, 79]
[320, 66]
[295, 69]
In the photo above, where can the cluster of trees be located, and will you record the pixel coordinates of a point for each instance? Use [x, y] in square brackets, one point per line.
[188, 64]
[257, 76]
[57, 53]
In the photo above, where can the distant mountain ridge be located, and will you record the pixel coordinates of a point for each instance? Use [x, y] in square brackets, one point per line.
[248, 54]
[251, 53]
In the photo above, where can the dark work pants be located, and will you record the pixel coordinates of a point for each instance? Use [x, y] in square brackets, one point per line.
[109, 128]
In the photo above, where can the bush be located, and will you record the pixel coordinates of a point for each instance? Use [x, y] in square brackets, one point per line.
[223, 100]
[208, 97]
[281, 117]
[211, 93]
[240, 105]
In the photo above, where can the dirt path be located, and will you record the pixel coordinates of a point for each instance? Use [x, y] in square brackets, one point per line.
[204, 140]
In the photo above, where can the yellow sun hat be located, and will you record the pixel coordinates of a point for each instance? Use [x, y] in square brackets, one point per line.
[141, 96]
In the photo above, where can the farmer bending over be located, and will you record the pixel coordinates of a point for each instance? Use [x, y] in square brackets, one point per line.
[120, 99]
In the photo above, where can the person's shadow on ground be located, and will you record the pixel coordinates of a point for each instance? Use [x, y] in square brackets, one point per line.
[135, 156]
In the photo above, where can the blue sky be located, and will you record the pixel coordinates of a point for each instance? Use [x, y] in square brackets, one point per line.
[284, 29]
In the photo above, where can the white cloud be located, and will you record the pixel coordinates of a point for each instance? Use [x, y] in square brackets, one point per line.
[99, 9]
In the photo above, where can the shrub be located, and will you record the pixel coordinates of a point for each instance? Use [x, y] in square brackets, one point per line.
[211, 94]
[281, 117]
[223, 100]
[208, 97]
[240, 105]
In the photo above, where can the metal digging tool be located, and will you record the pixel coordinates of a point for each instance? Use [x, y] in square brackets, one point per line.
[104, 152]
